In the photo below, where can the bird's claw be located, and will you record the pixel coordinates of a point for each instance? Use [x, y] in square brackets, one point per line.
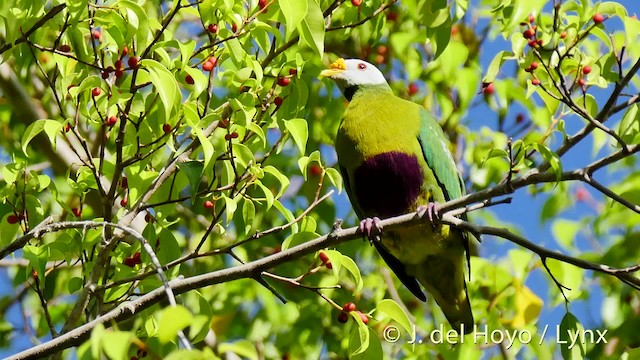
[432, 213]
[371, 227]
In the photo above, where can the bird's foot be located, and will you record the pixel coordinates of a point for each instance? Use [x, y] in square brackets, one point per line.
[431, 212]
[371, 227]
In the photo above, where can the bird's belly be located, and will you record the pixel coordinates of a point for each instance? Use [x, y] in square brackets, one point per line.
[412, 245]
[388, 184]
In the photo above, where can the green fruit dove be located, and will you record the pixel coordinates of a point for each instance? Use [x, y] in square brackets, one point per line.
[395, 159]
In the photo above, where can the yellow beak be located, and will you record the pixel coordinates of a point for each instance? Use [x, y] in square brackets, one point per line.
[338, 66]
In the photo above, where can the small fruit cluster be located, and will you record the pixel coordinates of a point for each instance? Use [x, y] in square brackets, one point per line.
[118, 66]
[343, 316]
[586, 70]
[530, 32]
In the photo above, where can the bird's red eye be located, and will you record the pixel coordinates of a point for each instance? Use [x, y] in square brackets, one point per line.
[362, 66]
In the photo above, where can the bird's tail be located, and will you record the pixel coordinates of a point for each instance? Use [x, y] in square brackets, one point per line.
[443, 277]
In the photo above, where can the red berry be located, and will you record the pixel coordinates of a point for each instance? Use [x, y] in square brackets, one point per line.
[349, 307]
[529, 33]
[488, 89]
[520, 118]
[356, 2]
[234, 27]
[133, 62]
[535, 82]
[234, 135]
[227, 137]
[379, 59]
[539, 42]
[315, 170]
[77, 212]
[563, 35]
[124, 202]
[531, 18]
[96, 34]
[105, 75]
[133, 260]
[586, 69]
[112, 120]
[13, 219]
[118, 65]
[213, 28]
[96, 91]
[283, 81]
[124, 182]
[382, 49]
[67, 127]
[119, 73]
[328, 265]
[189, 80]
[166, 128]
[413, 89]
[64, 48]
[582, 194]
[581, 82]
[363, 317]
[293, 71]
[533, 43]
[343, 317]
[262, 4]
[533, 66]
[392, 16]
[207, 66]
[208, 204]
[598, 18]
[125, 50]
[323, 257]
[278, 101]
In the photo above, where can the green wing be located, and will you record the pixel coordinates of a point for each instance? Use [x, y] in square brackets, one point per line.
[435, 149]
[438, 157]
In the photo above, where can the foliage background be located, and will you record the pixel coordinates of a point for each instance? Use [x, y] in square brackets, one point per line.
[269, 186]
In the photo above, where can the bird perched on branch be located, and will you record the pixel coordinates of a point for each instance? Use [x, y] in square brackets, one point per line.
[394, 159]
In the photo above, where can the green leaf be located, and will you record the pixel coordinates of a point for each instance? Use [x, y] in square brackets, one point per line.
[552, 158]
[396, 313]
[352, 267]
[115, 344]
[565, 232]
[494, 66]
[299, 131]
[230, 207]
[165, 84]
[373, 350]
[311, 28]
[359, 341]
[629, 128]
[294, 11]
[173, 319]
[335, 177]
[50, 127]
[193, 170]
[571, 329]
[244, 348]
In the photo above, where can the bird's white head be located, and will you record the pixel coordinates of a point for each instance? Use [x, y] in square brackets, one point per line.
[354, 72]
